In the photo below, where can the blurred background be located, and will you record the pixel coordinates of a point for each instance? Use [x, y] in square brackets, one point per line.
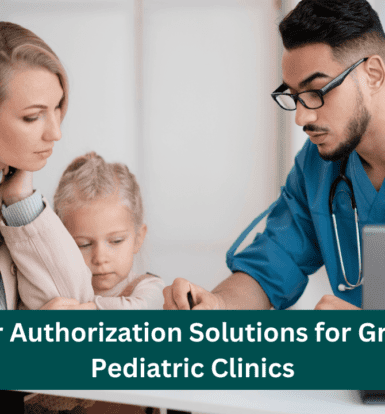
[179, 90]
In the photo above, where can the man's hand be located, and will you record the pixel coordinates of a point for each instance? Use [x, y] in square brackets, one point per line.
[67, 304]
[16, 188]
[330, 302]
[175, 297]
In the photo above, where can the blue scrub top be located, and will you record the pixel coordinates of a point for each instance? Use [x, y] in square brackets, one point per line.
[299, 237]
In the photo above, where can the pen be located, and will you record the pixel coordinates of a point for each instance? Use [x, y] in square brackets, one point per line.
[190, 300]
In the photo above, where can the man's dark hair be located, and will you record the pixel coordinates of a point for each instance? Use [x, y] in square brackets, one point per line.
[347, 26]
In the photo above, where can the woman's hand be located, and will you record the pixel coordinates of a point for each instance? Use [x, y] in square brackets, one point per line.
[17, 187]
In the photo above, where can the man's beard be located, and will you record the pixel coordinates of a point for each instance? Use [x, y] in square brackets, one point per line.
[357, 126]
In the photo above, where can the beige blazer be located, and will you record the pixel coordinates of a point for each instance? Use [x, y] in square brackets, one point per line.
[49, 263]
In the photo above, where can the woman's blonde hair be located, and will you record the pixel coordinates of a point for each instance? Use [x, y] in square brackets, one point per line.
[90, 178]
[20, 48]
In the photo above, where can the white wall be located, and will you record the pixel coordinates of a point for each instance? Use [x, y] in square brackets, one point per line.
[209, 134]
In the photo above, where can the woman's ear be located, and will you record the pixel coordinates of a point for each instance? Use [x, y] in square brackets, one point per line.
[140, 236]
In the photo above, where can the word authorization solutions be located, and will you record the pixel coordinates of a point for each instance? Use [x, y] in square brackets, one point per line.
[145, 333]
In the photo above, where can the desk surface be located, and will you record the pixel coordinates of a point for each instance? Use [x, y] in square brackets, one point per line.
[228, 402]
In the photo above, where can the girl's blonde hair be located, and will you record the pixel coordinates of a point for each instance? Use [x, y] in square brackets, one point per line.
[19, 49]
[89, 178]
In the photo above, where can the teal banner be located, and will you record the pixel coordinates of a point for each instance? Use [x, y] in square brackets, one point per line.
[202, 350]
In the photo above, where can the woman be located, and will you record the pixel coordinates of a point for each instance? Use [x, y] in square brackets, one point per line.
[40, 264]
[39, 260]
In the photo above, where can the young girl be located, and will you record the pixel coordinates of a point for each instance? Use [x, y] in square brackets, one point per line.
[101, 207]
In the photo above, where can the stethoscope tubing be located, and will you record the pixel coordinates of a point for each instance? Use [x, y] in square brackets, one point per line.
[342, 177]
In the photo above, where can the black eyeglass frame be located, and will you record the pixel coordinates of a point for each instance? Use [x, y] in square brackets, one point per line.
[320, 92]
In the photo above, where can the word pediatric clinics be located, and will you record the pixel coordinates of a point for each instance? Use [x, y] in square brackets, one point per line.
[220, 368]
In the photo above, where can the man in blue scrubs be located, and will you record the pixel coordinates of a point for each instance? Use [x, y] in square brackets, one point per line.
[334, 78]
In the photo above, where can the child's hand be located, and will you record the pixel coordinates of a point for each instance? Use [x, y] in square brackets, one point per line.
[17, 187]
[130, 287]
[67, 304]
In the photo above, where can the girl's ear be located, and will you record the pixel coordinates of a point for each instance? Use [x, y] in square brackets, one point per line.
[140, 236]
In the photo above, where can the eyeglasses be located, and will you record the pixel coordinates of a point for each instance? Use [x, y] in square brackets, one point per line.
[312, 99]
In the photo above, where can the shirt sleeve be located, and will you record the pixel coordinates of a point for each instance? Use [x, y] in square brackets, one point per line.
[147, 295]
[20, 214]
[25, 211]
[49, 263]
[281, 258]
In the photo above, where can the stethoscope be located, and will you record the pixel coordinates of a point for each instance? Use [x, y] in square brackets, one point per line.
[342, 177]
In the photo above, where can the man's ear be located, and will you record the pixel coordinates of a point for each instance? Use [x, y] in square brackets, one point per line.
[140, 236]
[375, 71]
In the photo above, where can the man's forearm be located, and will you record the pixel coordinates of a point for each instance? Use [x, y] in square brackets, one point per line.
[241, 291]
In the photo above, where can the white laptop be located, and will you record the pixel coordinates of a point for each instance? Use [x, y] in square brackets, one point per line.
[373, 297]
[373, 238]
